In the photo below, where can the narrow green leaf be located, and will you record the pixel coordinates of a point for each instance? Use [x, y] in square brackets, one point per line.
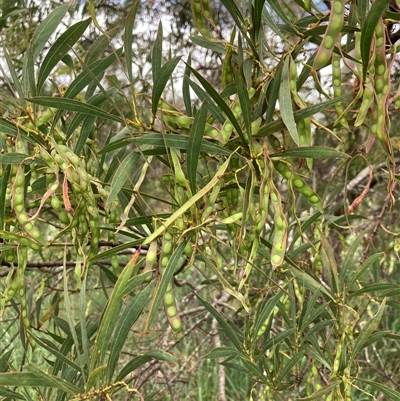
[14, 77]
[110, 317]
[74, 105]
[362, 10]
[4, 366]
[156, 56]
[128, 39]
[87, 127]
[283, 15]
[185, 88]
[309, 282]
[10, 395]
[173, 264]
[203, 96]
[365, 333]
[392, 394]
[226, 328]
[256, 17]
[206, 44]
[46, 29]
[304, 319]
[289, 365]
[313, 152]
[189, 203]
[321, 393]
[59, 49]
[312, 219]
[359, 273]
[393, 16]
[53, 350]
[220, 102]
[28, 74]
[277, 339]
[380, 287]
[161, 80]
[301, 114]
[7, 127]
[253, 369]
[99, 46]
[329, 263]
[314, 314]
[141, 360]
[368, 29]
[128, 318]
[286, 104]
[348, 260]
[266, 311]
[94, 101]
[317, 328]
[224, 352]
[115, 249]
[244, 104]
[47, 380]
[122, 175]
[194, 145]
[12, 158]
[315, 352]
[84, 78]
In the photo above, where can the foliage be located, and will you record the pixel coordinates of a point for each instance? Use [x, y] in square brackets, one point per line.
[235, 207]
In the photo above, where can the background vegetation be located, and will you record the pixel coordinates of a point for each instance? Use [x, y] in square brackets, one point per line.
[199, 200]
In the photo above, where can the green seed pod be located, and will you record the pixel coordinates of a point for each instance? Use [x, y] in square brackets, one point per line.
[13, 286]
[63, 217]
[56, 203]
[331, 36]
[226, 75]
[169, 300]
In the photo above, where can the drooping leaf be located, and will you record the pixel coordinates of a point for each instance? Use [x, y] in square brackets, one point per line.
[74, 105]
[128, 39]
[128, 318]
[392, 394]
[365, 333]
[59, 49]
[122, 175]
[110, 316]
[231, 331]
[139, 361]
[286, 104]
[368, 29]
[314, 152]
[194, 145]
[161, 81]
[156, 57]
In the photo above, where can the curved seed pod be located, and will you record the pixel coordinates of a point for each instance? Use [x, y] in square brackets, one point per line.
[114, 258]
[297, 182]
[337, 88]
[197, 8]
[169, 299]
[210, 201]
[262, 214]
[280, 229]
[151, 258]
[381, 123]
[303, 126]
[18, 204]
[180, 178]
[172, 312]
[20, 240]
[331, 36]
[12, 285]
[226, 74]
